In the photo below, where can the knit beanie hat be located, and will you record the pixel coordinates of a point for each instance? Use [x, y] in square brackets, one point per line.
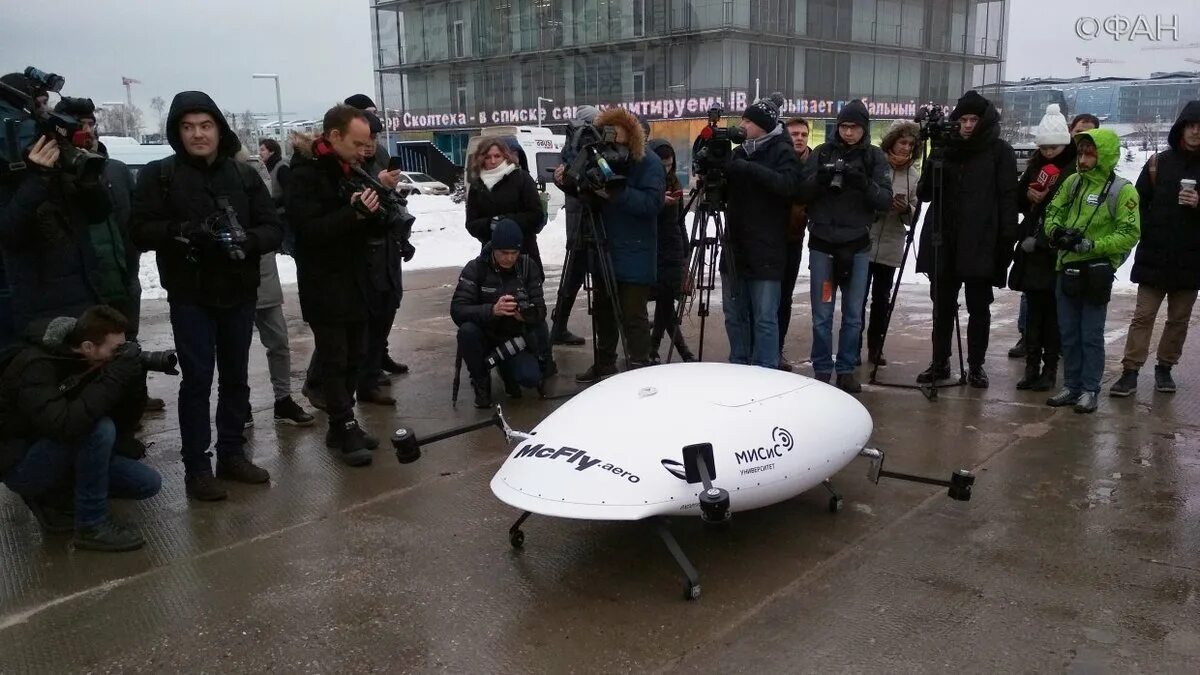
[586, 113]
[855, 112]
[971, 103]
[1053, 128]
[507, 236]
[360, 101]
[764, 114]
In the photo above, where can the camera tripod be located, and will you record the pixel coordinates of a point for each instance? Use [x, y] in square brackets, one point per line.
[598, 261]
[936, 164]
[705, 257]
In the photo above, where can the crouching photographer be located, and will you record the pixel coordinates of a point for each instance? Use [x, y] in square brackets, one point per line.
[1094, 223]
[497, 306]
[63, 399]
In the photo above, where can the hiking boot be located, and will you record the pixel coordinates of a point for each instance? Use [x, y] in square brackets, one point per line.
[1162, 379]
[155, 404]
[1064, 397]
[483, 392]
[1033, 374]
[823, 377]
[934, 373]
[1125, 386]
[53, 519]
[1087, 403]
[288, 411]
[1018, 350]
[348, 438]
[108, 537]
[976, 377]
[376, 396]
[203, 487]
[314, 396]
[394, 367]
[596, 373]
[848, 383]
[239, 469]
[1049, 376]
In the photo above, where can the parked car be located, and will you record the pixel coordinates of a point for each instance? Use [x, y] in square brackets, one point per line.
[415, 183]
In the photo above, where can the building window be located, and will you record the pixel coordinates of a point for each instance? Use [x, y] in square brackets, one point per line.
[639, 18]
[639, 85]
[459, 40]
[727, 19]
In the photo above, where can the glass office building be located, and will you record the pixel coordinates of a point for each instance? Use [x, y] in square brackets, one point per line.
[1117, 101]
[451, 67]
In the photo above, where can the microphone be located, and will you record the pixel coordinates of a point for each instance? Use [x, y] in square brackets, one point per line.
[1046, 178]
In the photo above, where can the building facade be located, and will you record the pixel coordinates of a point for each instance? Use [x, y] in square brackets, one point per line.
[446, 68]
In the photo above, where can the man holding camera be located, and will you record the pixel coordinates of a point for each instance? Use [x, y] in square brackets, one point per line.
[969, 233]
[497, 306]
[62, 400]
[209, 217]
[764, 182]
[846, 181]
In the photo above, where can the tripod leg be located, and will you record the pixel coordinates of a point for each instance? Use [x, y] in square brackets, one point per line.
[692, 590]
[962, 371]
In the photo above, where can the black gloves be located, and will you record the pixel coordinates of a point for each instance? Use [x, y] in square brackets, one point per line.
[126, 363]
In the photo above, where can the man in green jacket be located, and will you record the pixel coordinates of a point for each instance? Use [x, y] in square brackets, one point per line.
[1093, 221]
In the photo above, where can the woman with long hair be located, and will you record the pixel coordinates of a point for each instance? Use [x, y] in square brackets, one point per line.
[501, 189]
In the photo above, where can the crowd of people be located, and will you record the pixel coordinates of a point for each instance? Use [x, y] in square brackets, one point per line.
[73, 375]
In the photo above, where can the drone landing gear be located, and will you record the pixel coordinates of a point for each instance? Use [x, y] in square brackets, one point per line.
[960, 483]
[835, 499]
[516, 536]
[692, 590]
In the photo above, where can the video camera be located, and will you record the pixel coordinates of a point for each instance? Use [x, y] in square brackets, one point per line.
[711, 154]
[931, 118]
[24, 117]
[392, 203]
[599, 161]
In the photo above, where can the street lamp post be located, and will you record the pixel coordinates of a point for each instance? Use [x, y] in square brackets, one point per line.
[540, 115]
[278, 104]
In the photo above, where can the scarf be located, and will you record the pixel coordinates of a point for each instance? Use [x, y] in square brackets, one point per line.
[753, 144]
[490, 177]
[899, 162]
[322, 148]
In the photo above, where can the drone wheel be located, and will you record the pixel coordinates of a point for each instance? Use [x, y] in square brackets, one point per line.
[517, 539]
[692, 592]
[835, 504]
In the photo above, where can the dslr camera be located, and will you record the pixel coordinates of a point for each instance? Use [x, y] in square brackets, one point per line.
[525, 308]
[838, 169]
[158, 362]
[24, 118]
[392, 203]
[934, 126]
[1065, 239]
[599, 163]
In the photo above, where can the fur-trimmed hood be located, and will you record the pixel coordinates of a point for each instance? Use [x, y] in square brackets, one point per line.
[302, 143]
[620, 117]
[898, 130]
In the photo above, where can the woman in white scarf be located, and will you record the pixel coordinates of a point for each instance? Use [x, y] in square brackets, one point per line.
[501, 189]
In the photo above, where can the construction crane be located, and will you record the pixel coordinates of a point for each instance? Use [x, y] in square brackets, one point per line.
[128, 83]
[1087, 61]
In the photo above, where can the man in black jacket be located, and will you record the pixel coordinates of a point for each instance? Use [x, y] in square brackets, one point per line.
[208, 217]
[764, 180]
[499, 298]
[845, 183]
[335, 221]
[1167, 262]
[58, 401]
[976, 217]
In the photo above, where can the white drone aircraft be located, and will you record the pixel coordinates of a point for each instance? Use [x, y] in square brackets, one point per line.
[760, 437]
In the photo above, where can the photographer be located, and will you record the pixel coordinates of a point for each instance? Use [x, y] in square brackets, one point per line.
[1093, 221]
[846, 182]
[208, 217]
[976, 220]
[1167, 264]
[798, 130]
[58, 401]
[575, 266]
[499, 299]
[336, 219]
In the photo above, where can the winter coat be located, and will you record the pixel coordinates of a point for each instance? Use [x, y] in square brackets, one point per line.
[1112, 238]
[333, 244]
[762, 189]
[798, 221]
[889, 232]
[1168, 255]
[50, 392]
[672, 237]
[845, 216]
[170, 199]
[978, 206]
[482, 282]
[1035, 271]
[515, 196]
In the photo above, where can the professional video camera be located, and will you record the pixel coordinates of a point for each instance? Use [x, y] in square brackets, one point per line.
[393, 204]
[24, 117]
[934, 126]
[600, 162]
[711, 154]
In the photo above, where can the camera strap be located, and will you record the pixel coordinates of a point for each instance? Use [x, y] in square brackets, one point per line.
[1103, 199]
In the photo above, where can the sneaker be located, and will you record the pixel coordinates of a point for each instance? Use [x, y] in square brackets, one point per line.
[249, 423]
[596, 373]
[848, 383]
[1087, 403]
[1162, 379]
[1018, 350]
[394, 367]
[348, 438]
[976, 377]
[314, 396]
[52, 518]
[376, 396]
[566, 337]
[934, 373]
[203, 487]
[155, 404]
[239, 469]
[107, 537]
[1063, 398]
[288, 411]
[1126, 385]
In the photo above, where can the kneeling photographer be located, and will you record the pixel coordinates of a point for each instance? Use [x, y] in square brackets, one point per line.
[497, 306]
[1094, 222]
[63, 399]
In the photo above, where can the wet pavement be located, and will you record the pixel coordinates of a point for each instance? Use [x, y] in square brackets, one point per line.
[1080, 551]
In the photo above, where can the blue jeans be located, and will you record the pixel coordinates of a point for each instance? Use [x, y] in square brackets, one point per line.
[91, 466]
[854, 295]
[1081, 325]
[208, 338]
[752, 321]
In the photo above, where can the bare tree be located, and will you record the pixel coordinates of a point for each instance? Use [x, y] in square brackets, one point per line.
[120, 120]
[159, 105]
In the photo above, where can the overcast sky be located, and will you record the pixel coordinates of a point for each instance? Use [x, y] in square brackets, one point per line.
[322, 48]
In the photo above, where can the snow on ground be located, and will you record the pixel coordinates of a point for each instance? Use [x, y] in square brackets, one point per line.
[441, 239]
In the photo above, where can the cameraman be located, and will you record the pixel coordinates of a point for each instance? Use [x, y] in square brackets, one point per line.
[1094, 222]
[208, 217]
[798, 130]
[575, 267]
[976, 219]
[846, 182]
[58, 400]
[764, 182]
[487, 308]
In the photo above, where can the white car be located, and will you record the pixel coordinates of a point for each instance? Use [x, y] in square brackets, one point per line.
[412, 182]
